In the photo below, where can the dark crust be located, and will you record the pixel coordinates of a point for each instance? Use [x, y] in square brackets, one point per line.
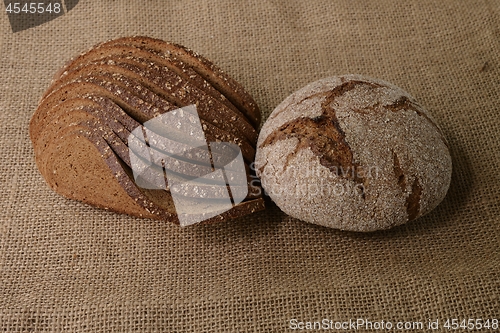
[112, 89]
[108, 109]
[413, 200]
[75, 89]
[138, 105]
[149, 102]
[183, 93]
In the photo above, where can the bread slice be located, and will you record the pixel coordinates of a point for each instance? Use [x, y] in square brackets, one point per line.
[127, 101]
[108, 109]
[109, 113]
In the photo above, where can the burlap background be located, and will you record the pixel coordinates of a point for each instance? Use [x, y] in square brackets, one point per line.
[67, 266]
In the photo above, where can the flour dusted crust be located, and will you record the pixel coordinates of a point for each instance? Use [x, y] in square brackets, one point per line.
[353, 153]
[82, 124]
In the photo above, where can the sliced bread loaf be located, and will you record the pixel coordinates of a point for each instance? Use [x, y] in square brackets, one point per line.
[83, 125]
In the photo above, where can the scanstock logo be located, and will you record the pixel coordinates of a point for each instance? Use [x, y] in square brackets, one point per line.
[170, 152]
[25, 14]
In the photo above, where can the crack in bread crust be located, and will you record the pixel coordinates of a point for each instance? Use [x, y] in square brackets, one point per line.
[404, 103]
[413, 200]
[323, 135]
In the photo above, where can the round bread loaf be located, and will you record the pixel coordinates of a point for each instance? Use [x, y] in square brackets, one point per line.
[353, 153]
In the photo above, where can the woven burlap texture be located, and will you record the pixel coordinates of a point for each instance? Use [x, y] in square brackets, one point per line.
[66, 266]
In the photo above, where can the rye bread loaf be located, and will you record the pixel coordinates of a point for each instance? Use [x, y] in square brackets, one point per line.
[84, 121]
[353, 153]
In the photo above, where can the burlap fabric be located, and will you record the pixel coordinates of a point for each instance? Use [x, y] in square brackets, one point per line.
[65, 266]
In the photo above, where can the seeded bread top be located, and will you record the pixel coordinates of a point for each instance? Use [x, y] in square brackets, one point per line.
[232, 90]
